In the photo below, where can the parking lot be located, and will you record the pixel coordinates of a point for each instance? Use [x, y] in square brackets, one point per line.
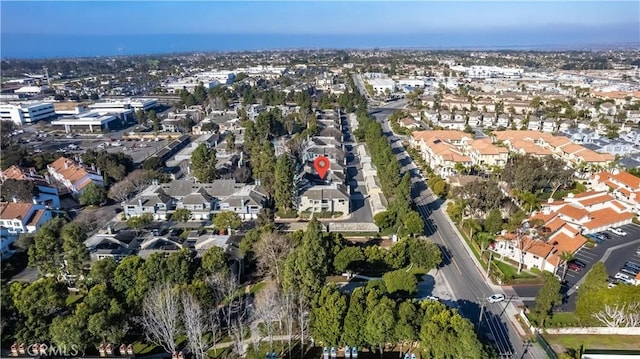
[614, 252]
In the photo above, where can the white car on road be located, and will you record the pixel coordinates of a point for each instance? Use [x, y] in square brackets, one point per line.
[496, 298]
[617, 231]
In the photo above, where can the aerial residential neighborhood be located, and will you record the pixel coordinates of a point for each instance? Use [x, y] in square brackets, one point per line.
[319, 201]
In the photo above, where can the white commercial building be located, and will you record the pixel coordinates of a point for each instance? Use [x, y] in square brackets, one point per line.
[382, 85]
[190, 84]
[130, 103]
[26, 112]
[92, 120]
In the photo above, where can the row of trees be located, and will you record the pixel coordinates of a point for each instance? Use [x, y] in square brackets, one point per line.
[370, 318]
[399, 215]
[599, 305]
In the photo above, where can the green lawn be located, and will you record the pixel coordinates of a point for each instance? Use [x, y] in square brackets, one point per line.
[562, 319]
[510, 270]
[560, 343]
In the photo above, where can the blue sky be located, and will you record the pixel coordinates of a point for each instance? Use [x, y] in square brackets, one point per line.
[314, 17]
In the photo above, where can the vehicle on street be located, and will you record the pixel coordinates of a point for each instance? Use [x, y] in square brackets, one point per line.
[638, 252]
[431, 297]
[617, 231]
[495, 298]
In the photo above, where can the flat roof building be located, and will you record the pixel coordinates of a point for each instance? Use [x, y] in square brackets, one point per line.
[92, 120]
[26, 112]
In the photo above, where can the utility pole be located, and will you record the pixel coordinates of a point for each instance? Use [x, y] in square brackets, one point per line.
[482, 304]
[489, 263]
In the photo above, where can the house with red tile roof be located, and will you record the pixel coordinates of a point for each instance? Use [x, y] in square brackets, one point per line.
[442, 150]
[527, 249]
[623, 186]
[17, 218]
[562, 226]
[590, 212]
[74, 175]
[544, 144]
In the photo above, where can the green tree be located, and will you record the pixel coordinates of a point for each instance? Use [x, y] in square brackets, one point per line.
[413, 223]
[446, 334]
[125, 279]
[284, 185]
[566, 257]
[227, 219]
[400, 281]
[385, 219]
[141, 116]
[263, 164]
[231, 142]
[307, 267]
[548, 297]
[493, 222]
[203, 163]
[349, 258]
[327, 314]
[214, 261]
[46, 252]
[352, 333]
[39, 302]
[424, 254]
[23, 191]
[140, 222]
[380, 323]
[594, 281]
[76, 254]
[155, 121]
[408, 324]
[71, 331]
[182, 215]
[102, 271]
[93, 195]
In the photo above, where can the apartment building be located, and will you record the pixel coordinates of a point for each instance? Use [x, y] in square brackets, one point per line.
[442, 150]
[74, 175]
[589, 212]
[17, 218]
[542, 144]
[202, 199]
[623, 186]
[332, 197]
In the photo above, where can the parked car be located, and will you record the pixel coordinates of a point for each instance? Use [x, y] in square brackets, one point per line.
[580, 263]
[629, 271]
[617, 231]
[431, 297]
[599, 236]
[632, 265]
[495, 298]
[624, 278]
[605, 235]
[574, 267]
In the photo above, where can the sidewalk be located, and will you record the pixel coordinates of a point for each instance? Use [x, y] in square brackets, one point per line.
[511, 310]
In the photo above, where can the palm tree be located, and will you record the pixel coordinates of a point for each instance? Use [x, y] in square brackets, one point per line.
[474, 226]
[566, 257]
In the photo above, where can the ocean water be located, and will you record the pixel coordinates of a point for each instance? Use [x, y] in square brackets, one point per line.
[57, 46]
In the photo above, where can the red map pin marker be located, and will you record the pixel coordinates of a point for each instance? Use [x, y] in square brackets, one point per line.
[321, 164]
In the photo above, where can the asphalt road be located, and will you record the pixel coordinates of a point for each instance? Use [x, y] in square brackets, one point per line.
[467, 282]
